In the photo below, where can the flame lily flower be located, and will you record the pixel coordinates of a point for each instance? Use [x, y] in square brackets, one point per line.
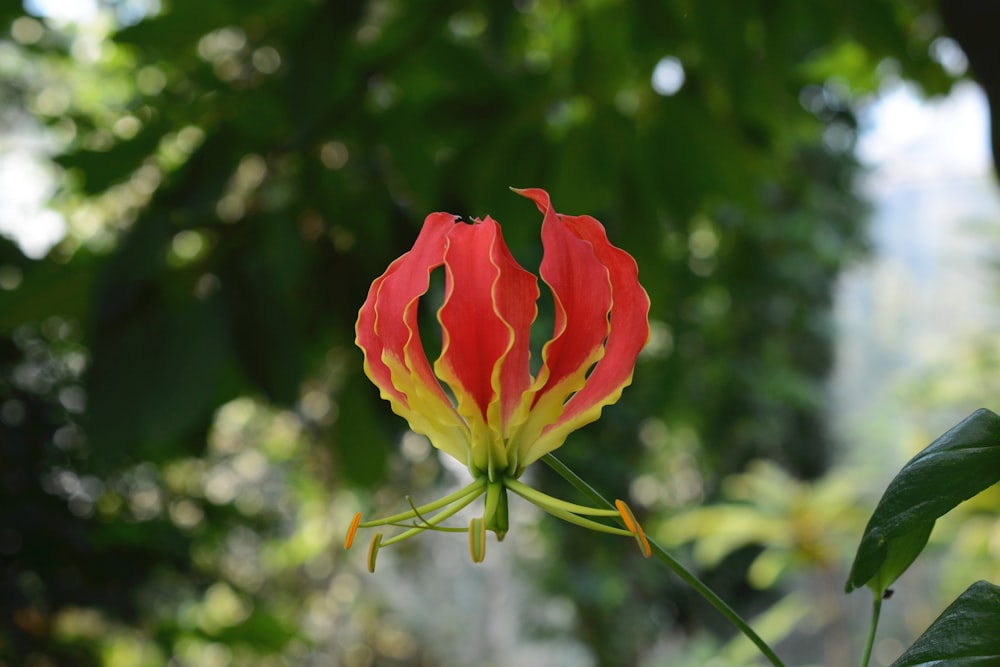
[495, 417]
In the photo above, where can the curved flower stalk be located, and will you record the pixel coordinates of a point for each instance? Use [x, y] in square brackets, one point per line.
[495, 417]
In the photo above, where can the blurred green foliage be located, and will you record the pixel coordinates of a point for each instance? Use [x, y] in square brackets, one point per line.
[183, 415]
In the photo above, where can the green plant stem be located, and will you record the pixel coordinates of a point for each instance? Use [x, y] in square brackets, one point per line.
[671, 562]
[876, 612]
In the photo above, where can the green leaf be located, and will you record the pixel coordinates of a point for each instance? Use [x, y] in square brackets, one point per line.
[49, 288]
[966, 634]
[359, 441]
[156, 377]
[900, 553]
[260, 302]
[174, 30]
[955, 467]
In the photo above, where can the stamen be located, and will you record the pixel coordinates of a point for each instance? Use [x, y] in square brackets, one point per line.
[626, 513]
[543, 499]
[373, 551]
[647, 551]
[432, 522]
[557, 508]
[424, 523]
[473, 489]
[634, 528]
[477, 539]
[569, 517]
[349, 540]
[429, 526]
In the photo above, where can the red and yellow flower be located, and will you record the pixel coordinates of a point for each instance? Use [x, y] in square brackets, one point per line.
[495, 416]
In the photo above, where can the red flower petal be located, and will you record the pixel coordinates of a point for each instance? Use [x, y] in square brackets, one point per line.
[486, 320]
[581, 292]
[628, 332]
[388, 335]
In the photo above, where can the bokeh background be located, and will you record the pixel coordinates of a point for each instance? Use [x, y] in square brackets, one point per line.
[197, 194]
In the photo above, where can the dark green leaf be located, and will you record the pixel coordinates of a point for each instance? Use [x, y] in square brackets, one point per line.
[967, 634]
[900, 553]
[48, 288]
[179, 26]
[955, 467]
[8, 14]
[260, 303]
[156, 377]
[360, 444]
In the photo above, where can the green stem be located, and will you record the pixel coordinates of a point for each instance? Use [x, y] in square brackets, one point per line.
[672, 563]
[876, 612]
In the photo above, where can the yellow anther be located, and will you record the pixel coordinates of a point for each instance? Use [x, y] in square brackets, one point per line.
[633, 527]
[477, 539]
[349, 540]
[373, 551]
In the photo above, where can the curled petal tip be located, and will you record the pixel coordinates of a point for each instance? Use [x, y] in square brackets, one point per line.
[537, 195]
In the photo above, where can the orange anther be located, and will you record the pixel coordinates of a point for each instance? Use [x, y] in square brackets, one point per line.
[633, 527]
[349, 540]
[627, 516]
